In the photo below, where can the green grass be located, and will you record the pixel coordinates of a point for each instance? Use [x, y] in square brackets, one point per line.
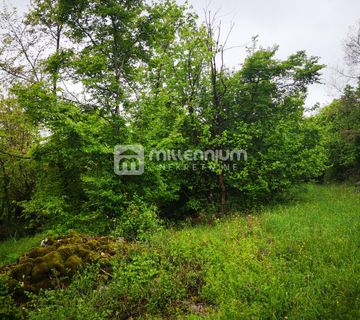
[13, 248]
[294, 261]
[298, 261]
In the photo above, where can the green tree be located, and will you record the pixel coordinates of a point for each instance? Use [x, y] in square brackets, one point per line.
[17, 135]
[129, 72]
[340, 124]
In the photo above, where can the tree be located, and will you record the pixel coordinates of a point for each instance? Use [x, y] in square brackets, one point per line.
[352, 49]
[22, 50]
[262, 112]
[340, 127]
[16, 167]
[129, 72]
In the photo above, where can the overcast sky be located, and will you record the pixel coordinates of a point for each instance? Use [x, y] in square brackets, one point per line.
[317, 26]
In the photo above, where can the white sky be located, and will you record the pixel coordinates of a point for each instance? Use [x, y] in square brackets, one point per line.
[317, 26]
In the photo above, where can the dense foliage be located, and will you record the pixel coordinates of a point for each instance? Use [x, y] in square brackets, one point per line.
[340, 127]
[111, 73]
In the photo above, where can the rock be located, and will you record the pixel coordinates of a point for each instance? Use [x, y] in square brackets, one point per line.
[54, 261]
[54, 264]
[21, 270]
[67, 250]
[38, 252]
[73, 263]
[93, 244]
[39, 272]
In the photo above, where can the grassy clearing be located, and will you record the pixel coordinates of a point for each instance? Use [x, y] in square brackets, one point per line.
[297, 261]
[12, 249]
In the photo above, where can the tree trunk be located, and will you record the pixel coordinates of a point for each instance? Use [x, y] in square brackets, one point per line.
[55, 75]
[5, 203]
[222, 193]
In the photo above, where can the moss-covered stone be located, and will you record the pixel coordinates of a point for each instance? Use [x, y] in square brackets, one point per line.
[39, 272]
[54, 263]
[83, 252]
[67, 250]
[43, 284]
[73, 263]
[38, 252]
[21, 270]
[93, 244]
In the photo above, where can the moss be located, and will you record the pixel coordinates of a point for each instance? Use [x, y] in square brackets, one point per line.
[43, 284]
[105, 240]
[50, 241]
[39, 252]
[39, 272]
[11, 282]
[114, 246]
[22, 270]
[62, 256]
[73, 263]
[83, 252]
[54, 261]
[26, 259]
[70, 249]
[93, 244]
[67, 250]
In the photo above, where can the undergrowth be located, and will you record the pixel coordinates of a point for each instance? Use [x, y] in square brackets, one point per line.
[293, 261]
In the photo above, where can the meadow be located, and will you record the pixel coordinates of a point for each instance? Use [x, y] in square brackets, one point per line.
[298, 260]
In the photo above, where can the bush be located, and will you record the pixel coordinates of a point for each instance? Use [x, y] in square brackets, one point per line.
[78, 301]
[340, 127]
[8, 309]
[137, 222]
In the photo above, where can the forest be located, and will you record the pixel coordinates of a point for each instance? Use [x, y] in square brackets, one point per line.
[143, 178]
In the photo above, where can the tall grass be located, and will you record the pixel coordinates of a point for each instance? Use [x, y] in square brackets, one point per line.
[297, 261]
[294, 261]
[13, 248]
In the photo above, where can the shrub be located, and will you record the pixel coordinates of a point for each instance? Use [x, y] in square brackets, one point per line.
[8, 309]
[137, 222]
[78, 301]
